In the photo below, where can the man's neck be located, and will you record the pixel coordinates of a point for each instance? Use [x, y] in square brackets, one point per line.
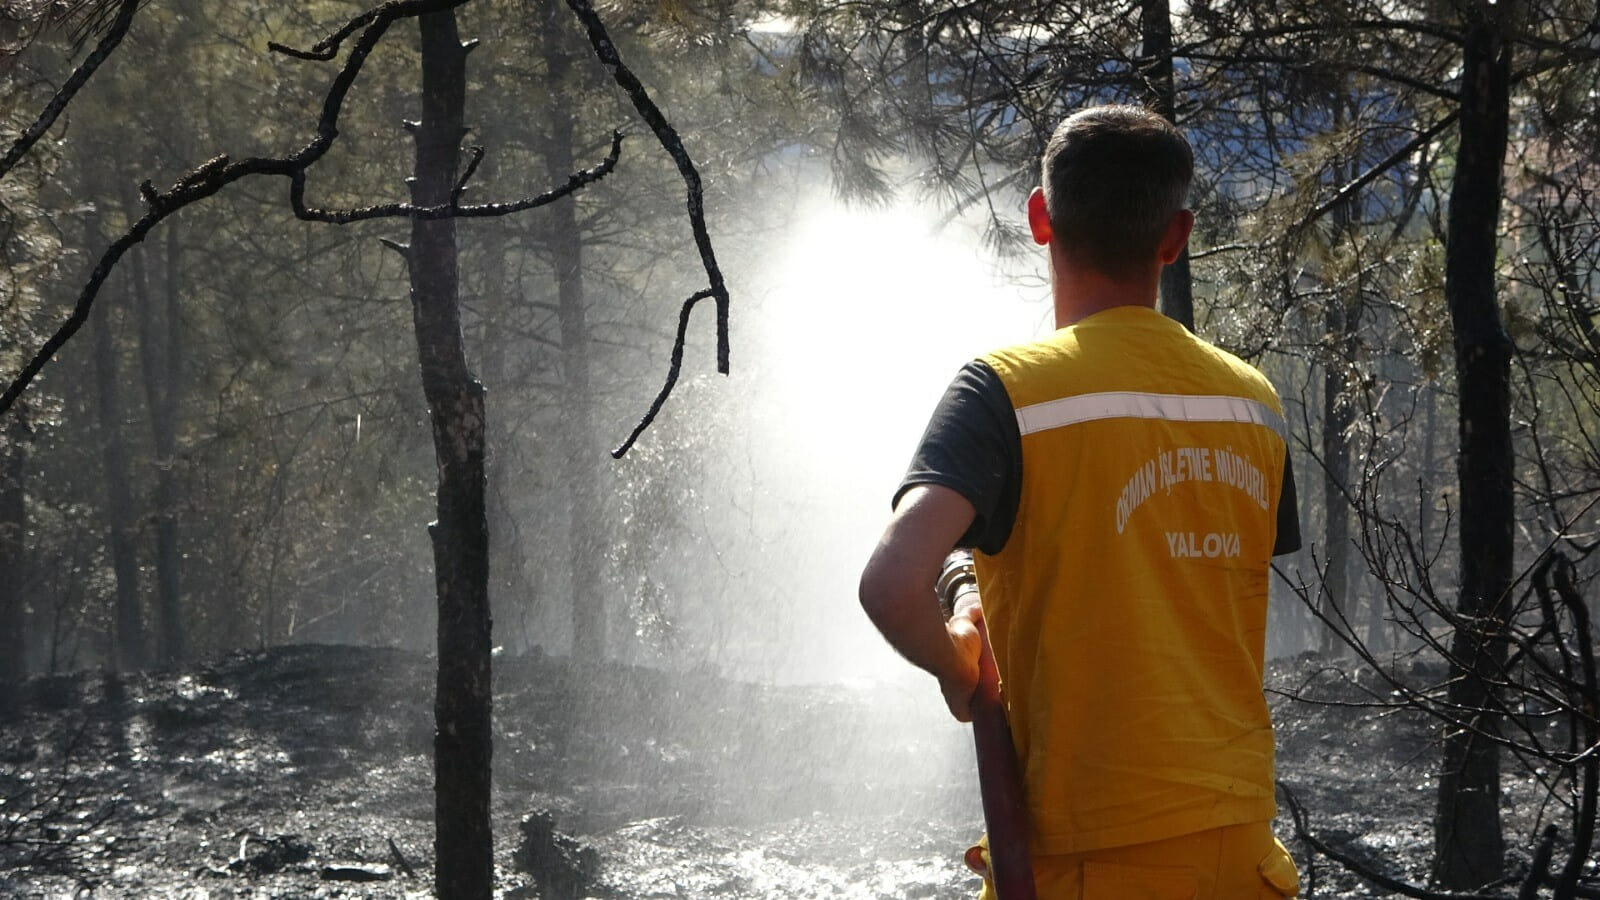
[1080, 292]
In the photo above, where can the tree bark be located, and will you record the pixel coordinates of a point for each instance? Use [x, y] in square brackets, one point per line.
[128, 645]
[1469, 848]
[1155, 27]
[159, 349]
[13, 546]
[463, 840]
[508, 558]
[579, 450]
[1425, 477]
[1338, 415]
[1341, 321]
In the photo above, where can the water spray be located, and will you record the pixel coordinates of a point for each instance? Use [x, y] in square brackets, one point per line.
[1005, 810]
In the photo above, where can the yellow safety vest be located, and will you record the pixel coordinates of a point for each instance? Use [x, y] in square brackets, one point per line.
[1128, 607]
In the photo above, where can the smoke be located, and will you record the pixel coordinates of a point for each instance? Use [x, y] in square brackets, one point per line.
[852, 329]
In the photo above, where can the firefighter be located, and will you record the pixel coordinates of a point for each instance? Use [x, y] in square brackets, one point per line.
[1123, 486]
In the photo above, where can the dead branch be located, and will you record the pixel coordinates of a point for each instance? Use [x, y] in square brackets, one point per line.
[1584, 824]
[400, 859]
[1540, 866]
[1394, 885]
[219, 172]
[606, 52]
[328, 47]
[44, 821]
[452, 210]
[69, 89]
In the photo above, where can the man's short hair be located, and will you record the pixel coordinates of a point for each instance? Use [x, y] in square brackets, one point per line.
[1113, 177]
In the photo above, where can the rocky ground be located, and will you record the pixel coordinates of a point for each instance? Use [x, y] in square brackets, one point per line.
[305, 772]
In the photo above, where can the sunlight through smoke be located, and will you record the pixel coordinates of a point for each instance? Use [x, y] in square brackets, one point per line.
[863, 318]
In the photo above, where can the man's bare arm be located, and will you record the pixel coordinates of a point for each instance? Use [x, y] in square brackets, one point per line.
[897, 591]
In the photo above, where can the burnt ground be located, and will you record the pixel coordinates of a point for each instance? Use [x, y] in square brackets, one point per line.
[289, 772]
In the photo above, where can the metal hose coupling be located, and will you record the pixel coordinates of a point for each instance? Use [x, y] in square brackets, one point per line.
[957, 579]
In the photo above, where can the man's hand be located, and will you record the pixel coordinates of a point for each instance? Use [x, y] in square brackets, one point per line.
[960, 684]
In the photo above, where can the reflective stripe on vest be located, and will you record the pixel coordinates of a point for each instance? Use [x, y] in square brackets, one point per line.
[1135, 405]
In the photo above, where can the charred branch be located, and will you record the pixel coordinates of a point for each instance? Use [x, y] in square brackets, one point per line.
[45, 816]
[219, 172]
[1366, 872]
[453, 210]
[674, 369]
[328, 47]
[606, 52]
[69, 89]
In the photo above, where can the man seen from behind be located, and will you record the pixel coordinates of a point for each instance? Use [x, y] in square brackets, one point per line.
[1123, 486]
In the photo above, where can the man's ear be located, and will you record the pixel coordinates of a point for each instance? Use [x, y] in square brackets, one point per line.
[1039, 218]
[1177, 236]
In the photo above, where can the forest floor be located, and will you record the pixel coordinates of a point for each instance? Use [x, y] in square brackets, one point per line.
[295, 771]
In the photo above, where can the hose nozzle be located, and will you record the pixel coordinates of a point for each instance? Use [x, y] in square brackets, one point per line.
[956, 579]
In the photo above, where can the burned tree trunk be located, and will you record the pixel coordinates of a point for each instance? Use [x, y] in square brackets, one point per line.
[159, 349]
[1342, 319]
[509, 584]
[578, 449]
[1338, 415]
[128, 645]
[1425, 475]
[1155, 26]
[13, 536]
[1469, 848]
[463, 840]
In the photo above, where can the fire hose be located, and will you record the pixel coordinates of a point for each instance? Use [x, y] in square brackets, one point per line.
[1005, 810]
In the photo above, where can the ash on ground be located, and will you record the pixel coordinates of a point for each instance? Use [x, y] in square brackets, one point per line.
[305, 771]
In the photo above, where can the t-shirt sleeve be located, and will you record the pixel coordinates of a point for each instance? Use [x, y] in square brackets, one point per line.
[1288, 513]
[972, 446]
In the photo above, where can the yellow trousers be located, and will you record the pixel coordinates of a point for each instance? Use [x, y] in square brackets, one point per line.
[1239, 862]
